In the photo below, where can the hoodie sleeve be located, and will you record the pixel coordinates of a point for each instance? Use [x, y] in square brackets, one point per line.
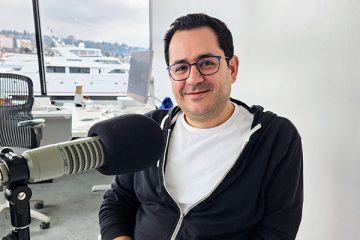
[118, 209]
[284, 190]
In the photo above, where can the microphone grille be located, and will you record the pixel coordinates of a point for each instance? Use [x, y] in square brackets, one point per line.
[82, 155]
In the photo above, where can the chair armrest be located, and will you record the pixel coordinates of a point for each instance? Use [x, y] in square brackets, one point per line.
[37, 125]
[39, 122]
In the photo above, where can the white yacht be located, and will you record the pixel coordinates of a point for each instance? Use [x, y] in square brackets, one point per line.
[67, 67]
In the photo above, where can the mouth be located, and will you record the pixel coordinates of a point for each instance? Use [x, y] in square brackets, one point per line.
[196, 92]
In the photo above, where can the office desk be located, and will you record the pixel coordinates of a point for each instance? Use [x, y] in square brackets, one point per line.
[58, 125]
[74, 122]
[83, 119]
[68, 123]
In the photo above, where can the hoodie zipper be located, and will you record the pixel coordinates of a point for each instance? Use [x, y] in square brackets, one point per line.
[182, 215]
[173, 236]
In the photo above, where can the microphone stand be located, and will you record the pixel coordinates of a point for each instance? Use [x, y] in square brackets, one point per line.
[18, 194]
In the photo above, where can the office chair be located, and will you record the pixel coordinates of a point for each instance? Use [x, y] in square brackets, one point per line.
[18, 129]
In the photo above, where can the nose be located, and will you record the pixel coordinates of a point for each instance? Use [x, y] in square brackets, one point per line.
[195, 76]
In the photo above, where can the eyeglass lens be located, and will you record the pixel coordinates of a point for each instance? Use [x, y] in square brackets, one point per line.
[206, 66]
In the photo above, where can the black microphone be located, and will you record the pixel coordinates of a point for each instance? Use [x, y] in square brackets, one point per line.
[131, 142]
[122, 144]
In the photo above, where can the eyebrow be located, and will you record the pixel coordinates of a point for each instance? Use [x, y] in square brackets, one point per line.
[205, 55]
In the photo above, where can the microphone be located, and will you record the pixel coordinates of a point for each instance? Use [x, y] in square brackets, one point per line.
[122, 144]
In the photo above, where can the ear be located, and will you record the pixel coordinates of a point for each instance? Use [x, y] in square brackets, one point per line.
[233, 66]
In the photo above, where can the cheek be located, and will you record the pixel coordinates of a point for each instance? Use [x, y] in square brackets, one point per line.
[177, 87]
[224, 87]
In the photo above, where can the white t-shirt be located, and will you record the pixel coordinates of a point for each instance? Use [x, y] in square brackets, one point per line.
[198, 159]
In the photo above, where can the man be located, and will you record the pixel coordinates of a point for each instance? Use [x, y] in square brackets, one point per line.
[229, 171]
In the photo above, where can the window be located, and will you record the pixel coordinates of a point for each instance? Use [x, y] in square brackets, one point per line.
[79, 70]
[54, 69]
[77, 38]
[117, 71]
[93, 35]
[108, 61]
[17, 41]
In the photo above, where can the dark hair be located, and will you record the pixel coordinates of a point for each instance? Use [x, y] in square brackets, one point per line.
[197, 20]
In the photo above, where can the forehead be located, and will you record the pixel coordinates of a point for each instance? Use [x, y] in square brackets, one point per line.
[190, 44]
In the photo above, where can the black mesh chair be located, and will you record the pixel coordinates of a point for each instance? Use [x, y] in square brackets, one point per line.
[18, 129]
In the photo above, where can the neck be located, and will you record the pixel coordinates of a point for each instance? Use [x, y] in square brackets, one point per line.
[214, 121]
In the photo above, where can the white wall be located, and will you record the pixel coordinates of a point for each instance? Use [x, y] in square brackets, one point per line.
[300, 59]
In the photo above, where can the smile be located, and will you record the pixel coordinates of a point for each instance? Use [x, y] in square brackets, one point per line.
[196, 93]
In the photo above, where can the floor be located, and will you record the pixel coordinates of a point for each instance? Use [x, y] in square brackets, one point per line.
[71, 205]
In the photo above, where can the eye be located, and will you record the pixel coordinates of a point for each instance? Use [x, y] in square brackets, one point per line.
[180, 68]
[207, 63]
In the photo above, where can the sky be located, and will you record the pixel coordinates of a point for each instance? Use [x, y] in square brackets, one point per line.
[122, 21]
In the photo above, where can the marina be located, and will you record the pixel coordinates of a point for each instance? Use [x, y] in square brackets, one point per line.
[69, 66]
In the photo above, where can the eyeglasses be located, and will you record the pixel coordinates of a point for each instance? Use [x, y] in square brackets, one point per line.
[206, 66]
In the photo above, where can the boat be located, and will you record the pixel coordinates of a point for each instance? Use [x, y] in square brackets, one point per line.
[69, 66]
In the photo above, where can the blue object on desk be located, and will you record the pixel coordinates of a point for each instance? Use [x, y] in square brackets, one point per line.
[166, 103]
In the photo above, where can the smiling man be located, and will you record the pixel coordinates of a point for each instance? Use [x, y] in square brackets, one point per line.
[202, 89]
[229, 171]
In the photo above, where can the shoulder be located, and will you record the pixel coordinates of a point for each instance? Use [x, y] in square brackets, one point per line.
[157, 115]
[285, 128]
[160, 115]
[276, 131]
[270, 122]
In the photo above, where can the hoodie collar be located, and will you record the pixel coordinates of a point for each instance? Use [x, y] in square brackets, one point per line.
[258, 111]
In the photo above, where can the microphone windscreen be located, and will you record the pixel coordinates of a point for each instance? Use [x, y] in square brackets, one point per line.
[131, 142]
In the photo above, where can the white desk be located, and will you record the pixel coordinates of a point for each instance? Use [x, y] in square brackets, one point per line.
[57, 125]
[83, 119]
[75, 122]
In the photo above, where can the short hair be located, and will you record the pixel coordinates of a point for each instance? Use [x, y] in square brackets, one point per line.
[197, 20]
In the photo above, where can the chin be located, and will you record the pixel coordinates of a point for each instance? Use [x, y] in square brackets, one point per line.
[195, 107]
[197, 111]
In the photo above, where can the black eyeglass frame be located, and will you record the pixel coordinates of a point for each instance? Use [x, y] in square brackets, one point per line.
[195, 64]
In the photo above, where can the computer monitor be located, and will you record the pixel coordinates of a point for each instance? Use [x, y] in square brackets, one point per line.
[139, 75]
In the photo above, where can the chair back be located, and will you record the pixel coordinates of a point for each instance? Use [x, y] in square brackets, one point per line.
[16, 101]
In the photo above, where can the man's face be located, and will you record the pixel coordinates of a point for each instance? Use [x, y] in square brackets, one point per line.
[201, 97]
